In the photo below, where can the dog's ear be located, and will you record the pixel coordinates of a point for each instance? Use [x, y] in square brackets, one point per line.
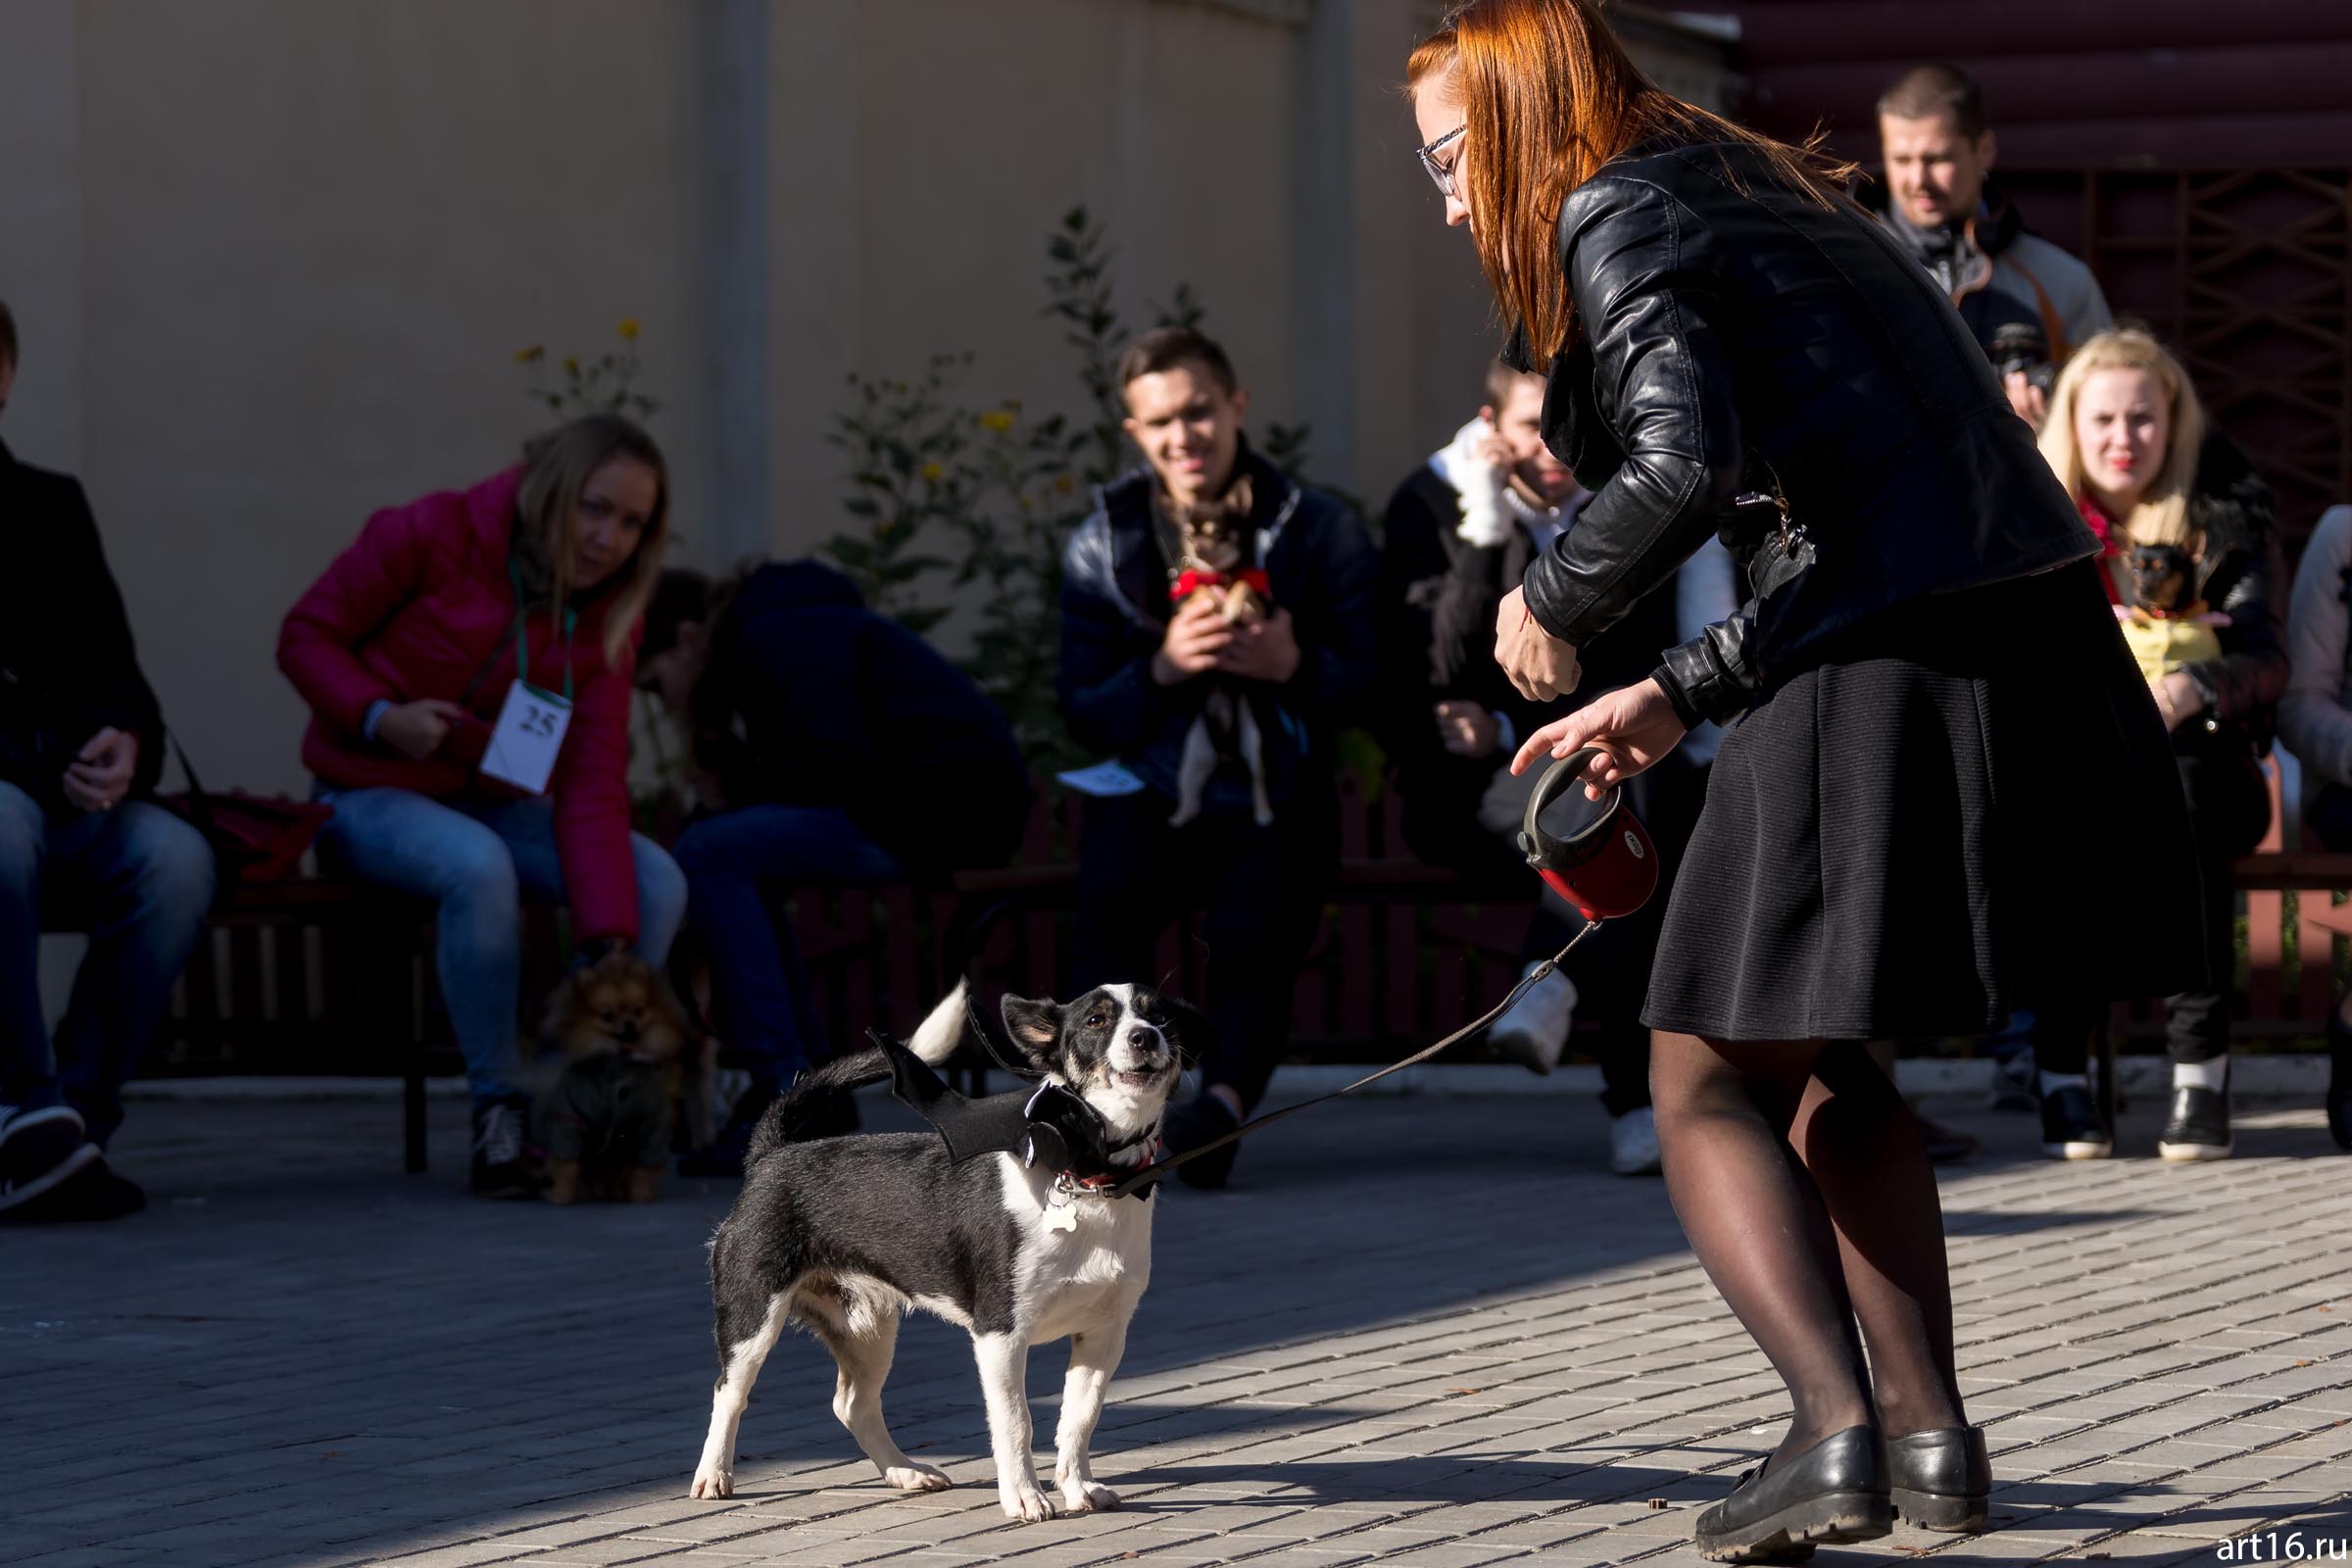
[1195, 1035]
[1035, 1026]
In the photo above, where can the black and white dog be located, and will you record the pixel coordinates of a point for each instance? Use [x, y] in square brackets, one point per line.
[844, 1234]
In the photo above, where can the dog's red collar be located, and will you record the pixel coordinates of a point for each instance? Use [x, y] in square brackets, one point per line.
[1113, 1178]
[1191, 582]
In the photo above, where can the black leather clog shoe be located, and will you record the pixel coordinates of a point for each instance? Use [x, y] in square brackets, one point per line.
[1940, 1480]
[1833, 1493]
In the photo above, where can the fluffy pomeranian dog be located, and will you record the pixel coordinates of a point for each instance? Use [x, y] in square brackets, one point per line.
[625, 1049]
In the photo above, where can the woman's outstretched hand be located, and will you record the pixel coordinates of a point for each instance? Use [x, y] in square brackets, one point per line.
[1540, 665]
[1633, 727]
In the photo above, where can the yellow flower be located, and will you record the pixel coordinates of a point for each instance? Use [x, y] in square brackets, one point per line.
[1064, 483]
[629, 328]
[998, 419]
[571, 363]
[933, 473]
[530, 356]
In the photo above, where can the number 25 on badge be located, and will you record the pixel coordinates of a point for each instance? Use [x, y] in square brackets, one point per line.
[529, 735]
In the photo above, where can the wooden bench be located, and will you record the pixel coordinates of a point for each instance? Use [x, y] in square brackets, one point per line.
[312, 976]
[307, 975]
[320, 976]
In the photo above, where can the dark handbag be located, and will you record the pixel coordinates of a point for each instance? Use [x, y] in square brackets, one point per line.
[255, 838]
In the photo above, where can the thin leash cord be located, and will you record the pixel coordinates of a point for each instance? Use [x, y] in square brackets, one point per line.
[1153, 1172]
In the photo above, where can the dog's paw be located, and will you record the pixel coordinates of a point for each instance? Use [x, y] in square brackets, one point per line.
[1026, 1504]
[1084, 1497]
[917, 1478]
[712, 1482]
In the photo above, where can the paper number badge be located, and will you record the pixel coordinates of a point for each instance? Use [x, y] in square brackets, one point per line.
[526, 738]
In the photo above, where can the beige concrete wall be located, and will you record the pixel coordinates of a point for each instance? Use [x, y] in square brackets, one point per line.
[273, 258]
[303, 243]
[40, 225]
[976, 128]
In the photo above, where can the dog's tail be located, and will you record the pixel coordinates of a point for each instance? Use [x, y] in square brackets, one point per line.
[934, 1042]
[937, 1038]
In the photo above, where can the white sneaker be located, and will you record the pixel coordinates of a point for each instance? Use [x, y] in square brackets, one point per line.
[38, 1151]
[1535, 1032]
[32, 1141]
[1634, 1144]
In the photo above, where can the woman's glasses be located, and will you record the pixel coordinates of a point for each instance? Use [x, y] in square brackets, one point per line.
[1443, 173]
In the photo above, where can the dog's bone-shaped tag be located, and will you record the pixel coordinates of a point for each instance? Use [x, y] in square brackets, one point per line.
[1061, 1215]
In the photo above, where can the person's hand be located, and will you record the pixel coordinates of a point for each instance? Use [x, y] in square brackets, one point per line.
[2029, 400]
[1197, 634]
[1489, 450]
[1467, 729]
[1267, 651]
[1633, 726]
[416, 729]
[1538, 665]
[100, 774]
[2176, 699]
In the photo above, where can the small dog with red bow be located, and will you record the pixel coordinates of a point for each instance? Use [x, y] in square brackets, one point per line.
[1217, 555]
[2167, 627]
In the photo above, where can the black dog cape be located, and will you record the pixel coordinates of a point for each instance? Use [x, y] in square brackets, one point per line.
[1043, 1124]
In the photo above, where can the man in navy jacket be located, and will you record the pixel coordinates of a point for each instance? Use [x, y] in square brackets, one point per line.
[1136, 672]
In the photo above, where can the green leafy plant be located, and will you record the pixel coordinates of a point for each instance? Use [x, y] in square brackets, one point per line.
[572, 388]
[910, 478]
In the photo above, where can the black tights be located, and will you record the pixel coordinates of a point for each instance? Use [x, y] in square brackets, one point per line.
[1800, 1180]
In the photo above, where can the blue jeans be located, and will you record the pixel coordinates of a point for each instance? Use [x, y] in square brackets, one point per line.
[139, 881]
[475, 860]
[734, 864]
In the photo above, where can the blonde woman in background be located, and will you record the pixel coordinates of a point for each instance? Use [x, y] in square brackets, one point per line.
[2128, 437]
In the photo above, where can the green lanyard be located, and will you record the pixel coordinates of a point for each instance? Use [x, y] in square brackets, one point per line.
[522, 646]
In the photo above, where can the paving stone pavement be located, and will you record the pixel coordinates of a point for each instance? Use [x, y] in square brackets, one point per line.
[1432, 1332]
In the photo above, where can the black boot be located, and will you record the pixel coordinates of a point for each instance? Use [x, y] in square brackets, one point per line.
[1834, 1492]
[2071, 1128]
[1940, 1480]
[2198, 1127]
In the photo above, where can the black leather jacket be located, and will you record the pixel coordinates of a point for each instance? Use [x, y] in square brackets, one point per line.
[1735, 339]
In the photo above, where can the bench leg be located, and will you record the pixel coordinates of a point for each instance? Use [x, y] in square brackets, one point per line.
[2106, 1045]
[411, 1097]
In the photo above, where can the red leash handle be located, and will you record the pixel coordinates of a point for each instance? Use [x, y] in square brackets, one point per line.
[1607, 867]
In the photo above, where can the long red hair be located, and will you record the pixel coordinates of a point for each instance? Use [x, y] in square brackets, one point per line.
[1548, 96]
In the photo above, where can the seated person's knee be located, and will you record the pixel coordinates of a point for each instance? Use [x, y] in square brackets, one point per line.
[478, 870]
[23, 833]
[661, 894]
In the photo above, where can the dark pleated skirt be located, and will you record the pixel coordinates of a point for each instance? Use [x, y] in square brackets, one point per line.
[1965, 805]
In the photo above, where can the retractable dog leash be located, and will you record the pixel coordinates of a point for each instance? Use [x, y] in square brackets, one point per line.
[1605, 867]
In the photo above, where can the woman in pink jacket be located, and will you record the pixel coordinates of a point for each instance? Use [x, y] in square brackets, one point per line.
[462, 638]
